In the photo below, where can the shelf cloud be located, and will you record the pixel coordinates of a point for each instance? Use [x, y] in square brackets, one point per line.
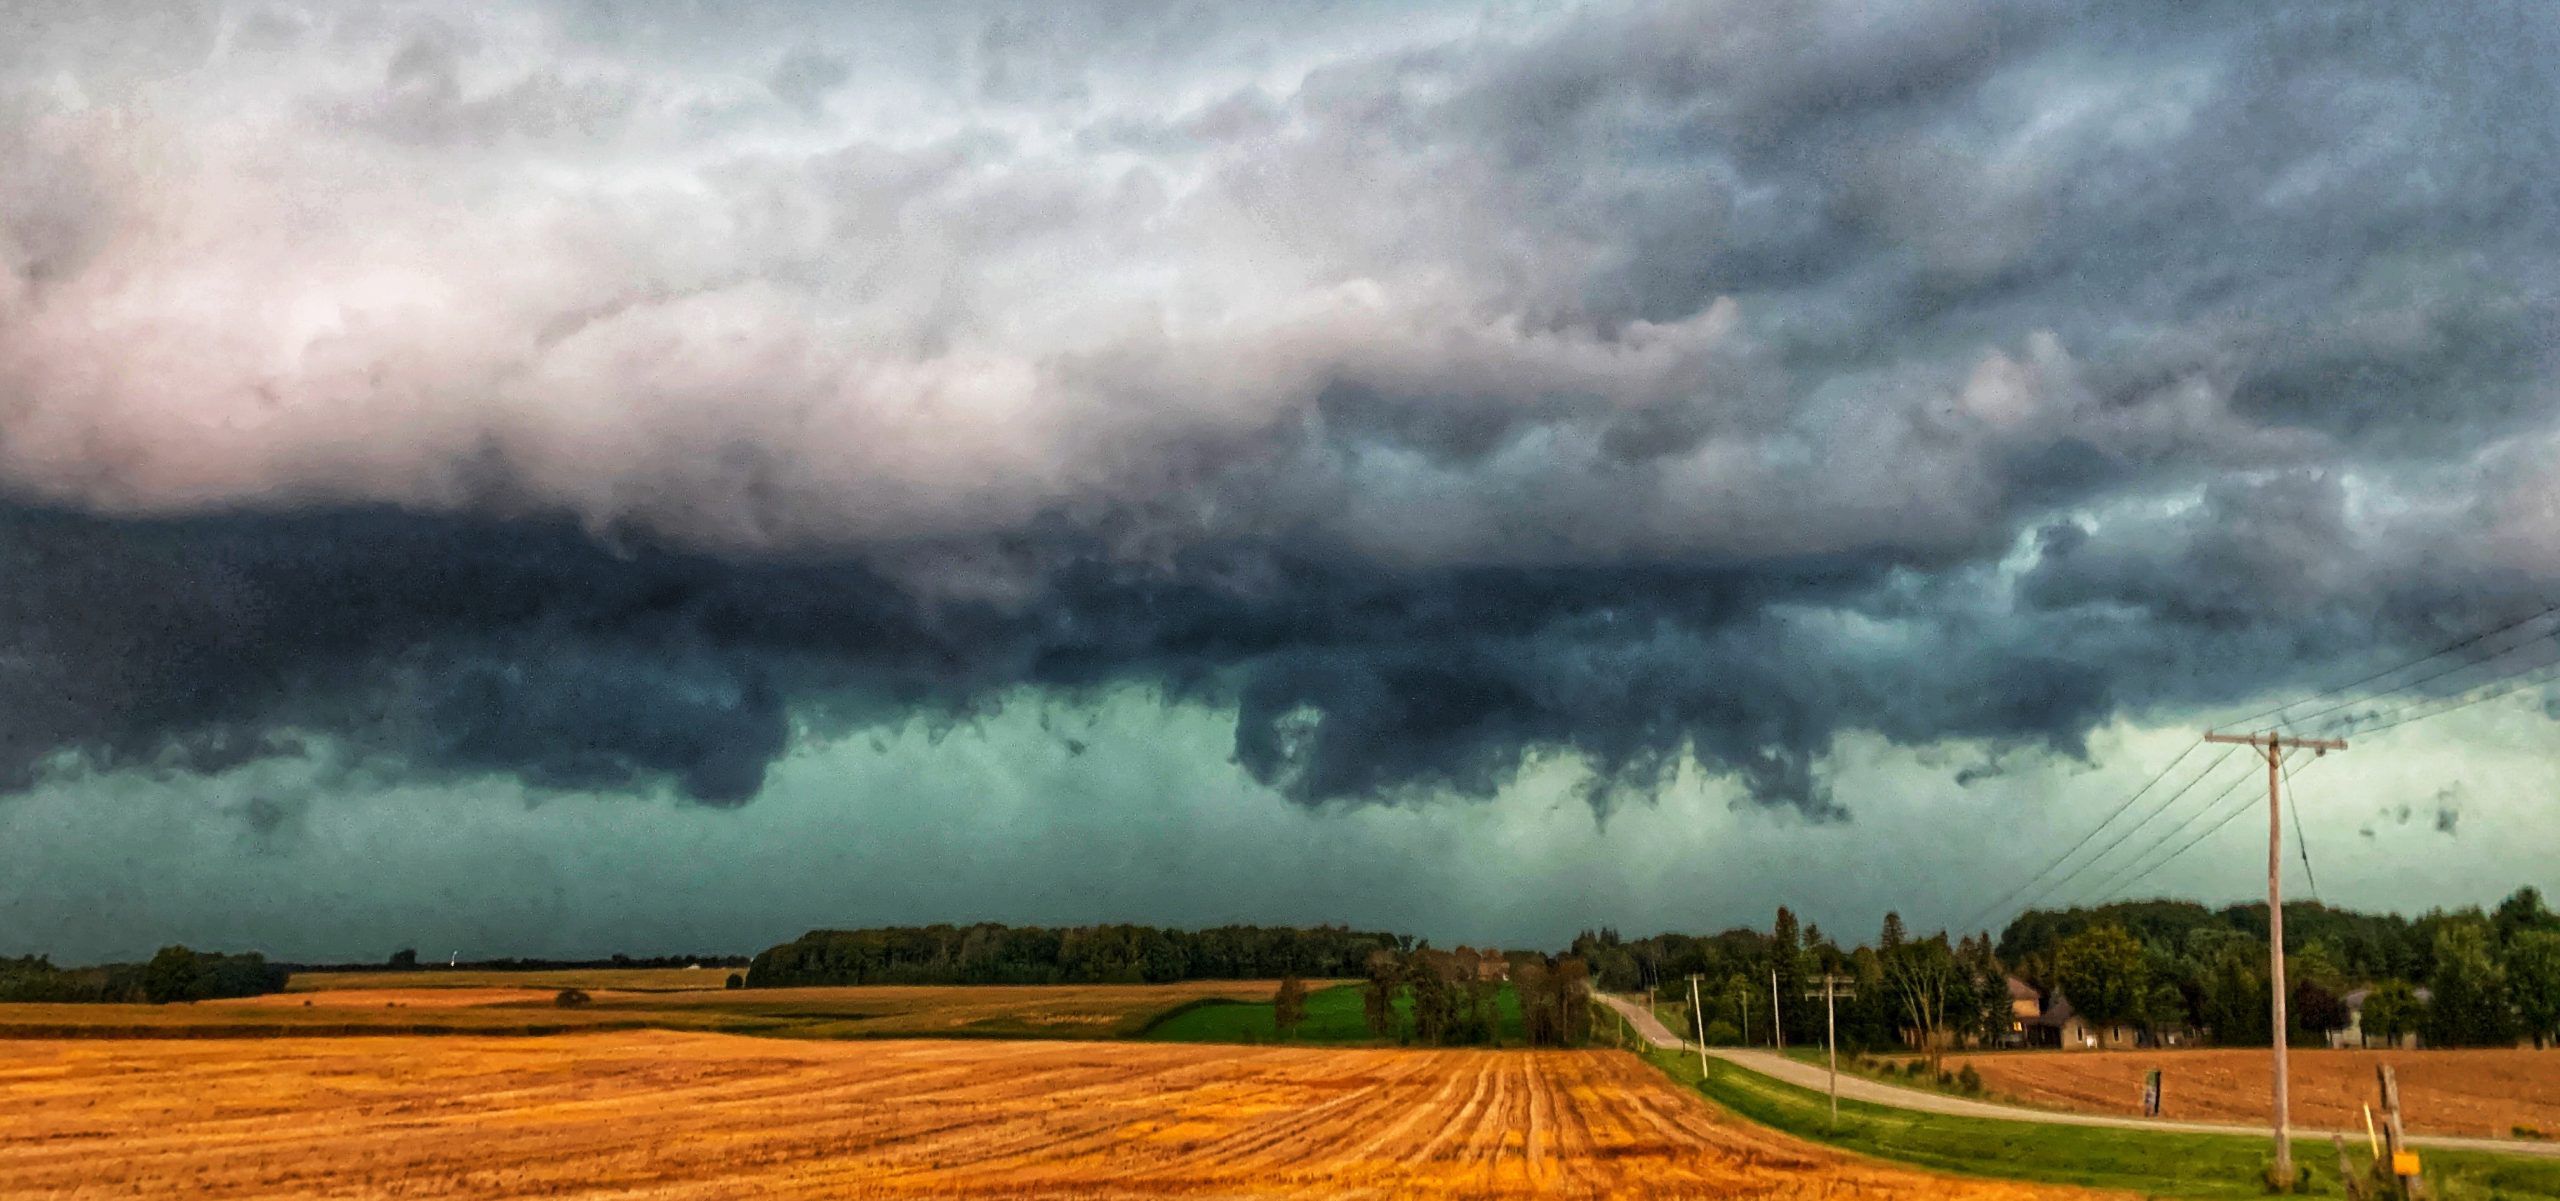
[615, 397]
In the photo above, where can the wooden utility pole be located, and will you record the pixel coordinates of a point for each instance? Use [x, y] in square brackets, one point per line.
[2274, 745]
[1777, 1025]
[1698, 1011]
[1831, 992]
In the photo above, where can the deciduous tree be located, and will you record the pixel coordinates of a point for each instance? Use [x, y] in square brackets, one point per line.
[1289, 1006]
[2101, 970]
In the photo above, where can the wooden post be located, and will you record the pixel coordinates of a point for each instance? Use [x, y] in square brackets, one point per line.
[2273, 745]
[2395, 1137]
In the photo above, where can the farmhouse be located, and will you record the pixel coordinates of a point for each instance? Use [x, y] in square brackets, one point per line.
[2025, 1006]
[2352, 1034]
[2058, 1025]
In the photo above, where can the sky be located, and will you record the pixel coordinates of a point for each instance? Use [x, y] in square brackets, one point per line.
[549, 477]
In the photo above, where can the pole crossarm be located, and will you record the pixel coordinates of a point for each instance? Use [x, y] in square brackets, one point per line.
[2263, 741]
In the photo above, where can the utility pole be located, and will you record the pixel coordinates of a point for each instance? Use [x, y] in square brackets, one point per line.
[1832, 991]
[1777, 1024]
[2273, 746]
[1698, 1011]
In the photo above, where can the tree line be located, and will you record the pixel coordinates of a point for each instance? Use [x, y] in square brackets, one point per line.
[2461, 978]
[988, 953]
[2466, 977]
[174, 974]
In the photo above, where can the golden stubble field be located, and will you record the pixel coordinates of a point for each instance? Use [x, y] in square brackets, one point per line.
[2473, 1092]
[660, 1114]
[522, 1003]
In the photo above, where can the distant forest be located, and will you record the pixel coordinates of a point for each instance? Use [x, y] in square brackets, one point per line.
[994, 954]
[2467, 977]
[175, 974]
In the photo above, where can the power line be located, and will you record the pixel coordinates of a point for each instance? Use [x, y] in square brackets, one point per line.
[2128, 831]
[2456, 669]
[2227, 818]
[2030, 881]
[2388, 672]
[2300, 843]
[2519, 685]
[2132, 870]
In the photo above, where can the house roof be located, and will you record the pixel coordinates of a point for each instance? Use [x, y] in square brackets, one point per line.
[2020, 990]
[2355, 1000]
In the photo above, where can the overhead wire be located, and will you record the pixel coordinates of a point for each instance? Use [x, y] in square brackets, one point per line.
[2406, 714]
[2141, 864]
[2128, 831]
[2058, 860]
[2455, 670]
[2132, 869]
[2459, 644]
[2205, 833]
[2301, 844]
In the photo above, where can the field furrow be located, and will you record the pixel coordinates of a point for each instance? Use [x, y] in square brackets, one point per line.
[656, 1116]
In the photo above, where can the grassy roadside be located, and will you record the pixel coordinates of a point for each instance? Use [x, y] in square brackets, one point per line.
[2149, 1163]
[1335, 1018]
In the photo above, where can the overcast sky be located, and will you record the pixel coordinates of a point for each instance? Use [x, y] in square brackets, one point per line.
[566, 477]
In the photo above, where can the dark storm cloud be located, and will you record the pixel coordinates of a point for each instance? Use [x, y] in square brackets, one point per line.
[616, 397]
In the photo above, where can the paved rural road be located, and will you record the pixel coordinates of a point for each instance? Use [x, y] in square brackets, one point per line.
[1772, 1064]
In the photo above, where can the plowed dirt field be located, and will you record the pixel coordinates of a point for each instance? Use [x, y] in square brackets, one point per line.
[658, 1114]
[2485, 1092]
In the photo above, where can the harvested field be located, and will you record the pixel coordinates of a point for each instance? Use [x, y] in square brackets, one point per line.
[869, 1011]
[2482, 1092]
[670, 1115]
[623, 979]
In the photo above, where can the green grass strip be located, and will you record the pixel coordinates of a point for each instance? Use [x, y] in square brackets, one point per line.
[2147, 1162]
[1335, 1018]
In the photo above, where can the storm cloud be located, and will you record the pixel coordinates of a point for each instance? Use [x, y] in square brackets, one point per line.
[617, 397]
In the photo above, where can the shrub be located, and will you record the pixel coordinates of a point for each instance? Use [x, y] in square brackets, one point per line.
[1969, 1080]
[571, 998]
[1721, 1033]
[737, 981]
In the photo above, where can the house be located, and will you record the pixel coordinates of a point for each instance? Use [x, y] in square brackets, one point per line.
[2352, 1034]
[2025, 1006]
[2059, 1026]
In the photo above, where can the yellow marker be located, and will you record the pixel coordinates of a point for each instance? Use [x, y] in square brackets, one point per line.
[2369, 1135]
[2404, 1163]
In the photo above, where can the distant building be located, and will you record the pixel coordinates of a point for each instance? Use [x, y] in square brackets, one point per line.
[2058, 1025]
[2352, 1034]
[2025, 1006]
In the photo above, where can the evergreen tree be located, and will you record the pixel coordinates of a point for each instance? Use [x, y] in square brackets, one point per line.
[1787, 960]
